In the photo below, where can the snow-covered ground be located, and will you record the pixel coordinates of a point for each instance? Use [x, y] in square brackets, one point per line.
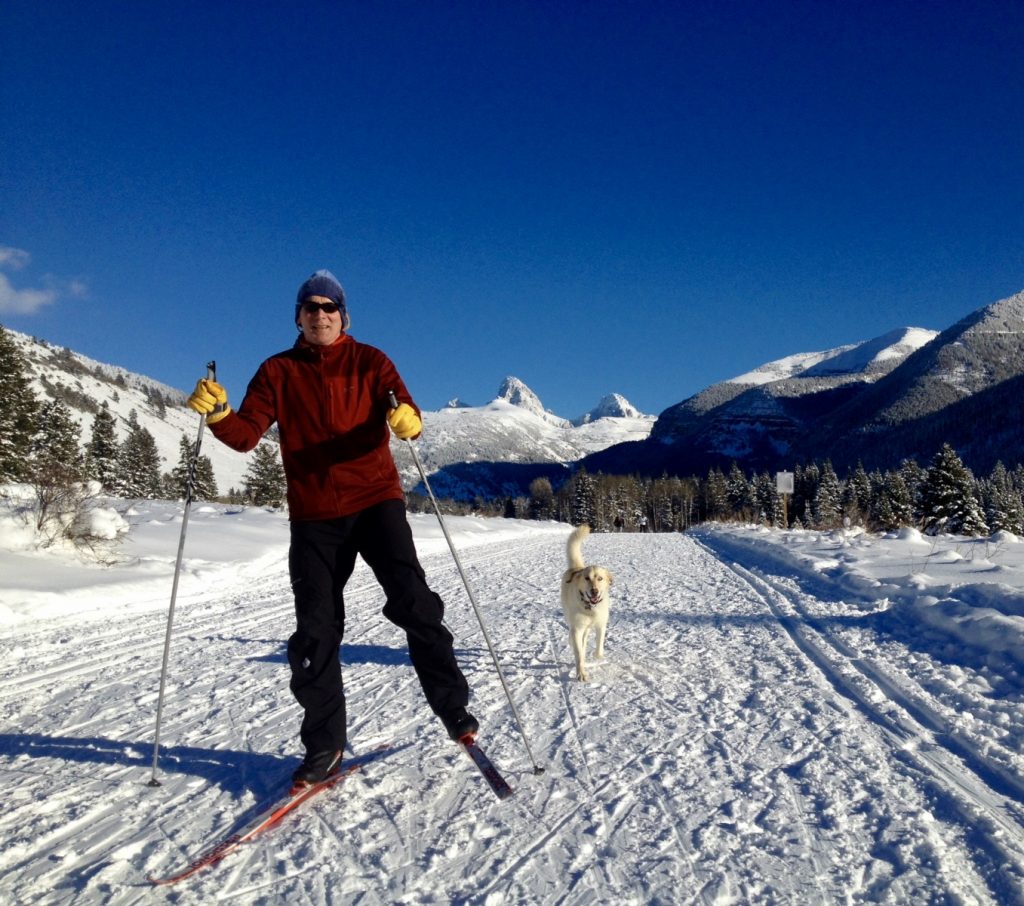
[789, 718]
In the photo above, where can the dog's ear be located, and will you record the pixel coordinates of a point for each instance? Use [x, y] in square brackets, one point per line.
[611, 578]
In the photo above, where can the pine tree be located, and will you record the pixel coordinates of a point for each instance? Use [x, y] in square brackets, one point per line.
[101, 450]
[857, 495]
[767, 498]
[948, 499]
[18, 406]
[805, 486]
[827, 506]
[264, 480]
[204, 484]
[740, 493]
[54, 448]
[913, 477]
[716, 495]
[56, 469]
[542, 499]
[582, 493]
[665, 504]
[138, 463]
[1002, 503]
[894, 504]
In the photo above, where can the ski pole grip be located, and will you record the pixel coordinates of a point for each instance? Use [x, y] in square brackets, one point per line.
[392, 399]
[211, 371]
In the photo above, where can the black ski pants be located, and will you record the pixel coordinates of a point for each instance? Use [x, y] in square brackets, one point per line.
[320, 560]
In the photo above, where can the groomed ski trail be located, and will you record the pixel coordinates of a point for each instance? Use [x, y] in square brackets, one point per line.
[719, 756]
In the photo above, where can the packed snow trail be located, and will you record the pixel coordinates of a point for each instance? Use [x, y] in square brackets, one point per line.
[736, 746]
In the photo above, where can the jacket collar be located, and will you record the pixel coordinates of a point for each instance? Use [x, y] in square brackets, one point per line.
[314, 351]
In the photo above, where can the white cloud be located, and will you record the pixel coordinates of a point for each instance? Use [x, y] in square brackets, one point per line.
[29, 301]
[13, 259]
[23, 301]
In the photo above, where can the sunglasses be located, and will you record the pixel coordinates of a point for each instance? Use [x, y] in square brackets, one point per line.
[312, 307]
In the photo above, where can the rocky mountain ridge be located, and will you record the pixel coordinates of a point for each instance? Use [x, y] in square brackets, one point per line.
[894, 397]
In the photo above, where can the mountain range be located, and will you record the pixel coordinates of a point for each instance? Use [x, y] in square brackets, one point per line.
[514, 429]
[877, 402]
[895, 397]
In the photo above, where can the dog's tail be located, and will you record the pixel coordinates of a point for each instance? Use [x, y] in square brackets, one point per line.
[574, 549]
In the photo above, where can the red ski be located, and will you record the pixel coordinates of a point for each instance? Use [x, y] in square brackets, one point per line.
[267, 818]
[490, 773]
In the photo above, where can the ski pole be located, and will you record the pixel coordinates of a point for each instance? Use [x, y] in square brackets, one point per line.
[393, 400]
[190, 480]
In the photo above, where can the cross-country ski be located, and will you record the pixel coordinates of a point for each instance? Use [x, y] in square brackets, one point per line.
[264, 819]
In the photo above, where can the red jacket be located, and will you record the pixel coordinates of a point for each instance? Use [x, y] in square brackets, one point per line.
[330, 404]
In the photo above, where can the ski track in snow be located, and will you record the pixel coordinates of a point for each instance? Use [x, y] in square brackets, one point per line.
[738, 745]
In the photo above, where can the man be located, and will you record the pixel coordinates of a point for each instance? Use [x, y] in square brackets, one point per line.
[329, 395]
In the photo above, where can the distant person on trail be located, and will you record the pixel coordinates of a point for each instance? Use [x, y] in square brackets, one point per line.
[329, 397]
[619, 523]
[643, 523]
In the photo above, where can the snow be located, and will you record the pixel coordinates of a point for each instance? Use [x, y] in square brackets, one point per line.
[55, 366]
[876, 355]
[783, 717]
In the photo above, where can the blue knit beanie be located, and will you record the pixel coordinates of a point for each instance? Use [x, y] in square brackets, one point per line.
[322, 283]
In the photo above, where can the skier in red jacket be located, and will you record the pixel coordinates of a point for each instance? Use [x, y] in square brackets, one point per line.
[329, 396]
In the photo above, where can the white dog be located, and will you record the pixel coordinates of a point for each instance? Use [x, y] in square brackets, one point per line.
[585, 591]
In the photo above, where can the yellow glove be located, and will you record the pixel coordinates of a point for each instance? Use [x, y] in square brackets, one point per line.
[209, 399]
[405, 422]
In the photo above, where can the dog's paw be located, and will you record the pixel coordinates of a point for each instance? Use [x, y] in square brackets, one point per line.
[583, 676]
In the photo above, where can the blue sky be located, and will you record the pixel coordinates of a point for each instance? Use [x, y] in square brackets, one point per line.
[641, 198]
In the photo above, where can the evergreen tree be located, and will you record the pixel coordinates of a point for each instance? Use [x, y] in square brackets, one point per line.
[204, 485]
[138, 463]
[805, 487]
[56, 469]
[827, 505]
[17, 411]
[767, 499]
[857, 496]
[542, 499]
[264, 480]
[947, 497]
[1003, 509]
[101, 450]
[913, 477]
[894, 504]
[206, 481]
[582, 498]
[716, 495]
[740, 493]
[665, 506]
[54, 453]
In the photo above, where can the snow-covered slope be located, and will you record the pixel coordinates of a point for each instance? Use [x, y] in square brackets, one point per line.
[867, 360]
[85, 384]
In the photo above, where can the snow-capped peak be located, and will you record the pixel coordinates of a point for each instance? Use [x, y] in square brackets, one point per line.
[614, 405]
[514, 391]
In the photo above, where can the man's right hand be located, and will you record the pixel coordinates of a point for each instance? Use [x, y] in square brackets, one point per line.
[209, 399]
